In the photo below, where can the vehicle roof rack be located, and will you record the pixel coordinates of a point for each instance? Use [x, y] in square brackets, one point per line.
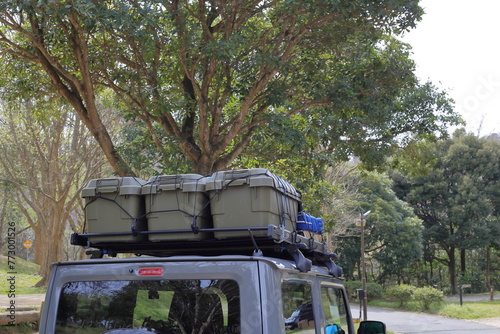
[277, 242]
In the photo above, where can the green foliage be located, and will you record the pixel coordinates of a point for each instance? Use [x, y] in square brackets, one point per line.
[402, 293]
[426, 296]
[374, 290]
[392, 223]
[454, 190]
[476, 280]
[137, 146]
[393, 234]
[351, 287]
[217, 85]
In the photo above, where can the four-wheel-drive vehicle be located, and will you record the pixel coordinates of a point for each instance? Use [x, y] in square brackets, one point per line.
[194, 294]
[187, 294]
[255, 279]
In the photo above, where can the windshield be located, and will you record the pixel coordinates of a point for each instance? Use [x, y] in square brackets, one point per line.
[160, 306]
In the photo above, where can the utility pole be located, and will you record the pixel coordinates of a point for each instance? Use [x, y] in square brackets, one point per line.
[363, 264]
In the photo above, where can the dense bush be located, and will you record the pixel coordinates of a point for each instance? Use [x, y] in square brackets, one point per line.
[402, 293]
[477, 282]
[374, 290]
[426, 296]
[351, 287]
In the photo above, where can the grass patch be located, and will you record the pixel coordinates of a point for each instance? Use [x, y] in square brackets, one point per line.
[469, 310]
[412, 306]
[24, 328]
[26, 275]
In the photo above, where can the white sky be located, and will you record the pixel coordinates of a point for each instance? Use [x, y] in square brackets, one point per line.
[457, 47]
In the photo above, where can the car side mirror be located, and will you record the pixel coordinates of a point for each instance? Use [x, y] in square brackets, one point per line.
[333, 329]
[371, 327]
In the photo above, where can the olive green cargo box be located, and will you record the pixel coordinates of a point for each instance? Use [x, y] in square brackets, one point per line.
[251, 198]
[177, 202]
[114, 205]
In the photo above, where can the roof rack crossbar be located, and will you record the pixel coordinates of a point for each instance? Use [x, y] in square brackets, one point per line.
[112, 234]
[301, 248]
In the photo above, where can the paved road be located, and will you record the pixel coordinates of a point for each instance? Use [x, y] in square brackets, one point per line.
[414, 323]
[22, 301]
[396, 321]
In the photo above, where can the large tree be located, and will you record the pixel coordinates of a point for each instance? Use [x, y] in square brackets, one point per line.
[216, 78]
[453, 187]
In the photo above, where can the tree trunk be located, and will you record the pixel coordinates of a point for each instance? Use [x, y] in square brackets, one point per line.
[49, 245]
[431, 266]
[488, 265]
[462, 262]
[205, 165]
[452, 270]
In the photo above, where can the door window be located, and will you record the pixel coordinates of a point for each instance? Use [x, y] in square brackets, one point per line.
[334, 309]
[297, 307]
